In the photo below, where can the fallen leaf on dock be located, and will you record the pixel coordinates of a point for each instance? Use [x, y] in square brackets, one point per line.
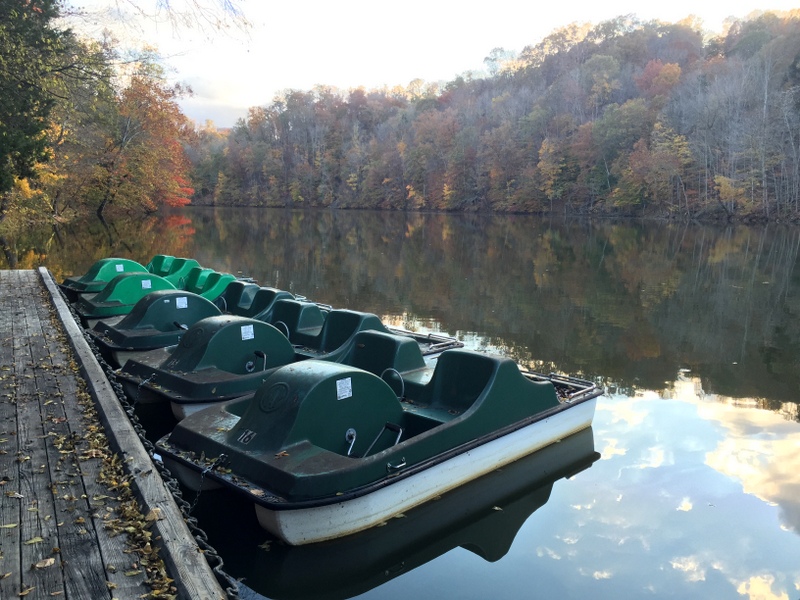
[153, 515]
[47, 562]
[34, 540]
[9, 526]
[27, 591]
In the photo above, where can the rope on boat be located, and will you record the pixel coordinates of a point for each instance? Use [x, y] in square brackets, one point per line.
[226, 581]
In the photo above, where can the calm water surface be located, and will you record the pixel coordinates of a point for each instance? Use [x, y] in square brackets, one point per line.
[693, 330]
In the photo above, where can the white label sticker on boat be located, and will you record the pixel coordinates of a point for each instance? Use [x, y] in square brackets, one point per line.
[247, 332]
[182, 302]
[120, 268]
[344, 388]
[147, 284]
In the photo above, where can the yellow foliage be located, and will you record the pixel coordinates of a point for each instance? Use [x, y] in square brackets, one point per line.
[728, 189]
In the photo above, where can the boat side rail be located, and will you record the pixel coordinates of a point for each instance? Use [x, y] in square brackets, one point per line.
[434, 342]
[568, 388]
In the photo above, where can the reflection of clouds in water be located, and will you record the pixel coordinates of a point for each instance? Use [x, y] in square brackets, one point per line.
[674, 463]
[762, 451]
[760, 588]
[653, 458]
[690, 566]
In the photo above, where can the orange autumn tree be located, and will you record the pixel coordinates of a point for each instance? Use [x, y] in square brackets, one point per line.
[144, 165]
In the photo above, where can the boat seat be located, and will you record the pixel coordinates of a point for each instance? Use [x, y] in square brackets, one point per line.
[237, 297]
[215, 284]
[264, 302]
[195, 279]
[459, 378]
[179, 271]
[336, 337]
[160, 264]
[379, 352]
[341, 325]
[297, 319]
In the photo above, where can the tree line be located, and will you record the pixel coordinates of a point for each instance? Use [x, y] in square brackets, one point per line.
[625, 117]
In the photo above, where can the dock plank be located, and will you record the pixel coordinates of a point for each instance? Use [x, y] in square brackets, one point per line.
[38, 527]
[10, 508]
[81, 505]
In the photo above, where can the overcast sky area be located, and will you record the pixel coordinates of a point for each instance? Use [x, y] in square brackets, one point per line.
[353, 43]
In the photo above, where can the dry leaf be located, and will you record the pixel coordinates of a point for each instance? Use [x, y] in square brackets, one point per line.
[35, 540]
[27, 591]
[257, 492]
[47, 562]
[153, 515]
[9, 526]
[132, 573]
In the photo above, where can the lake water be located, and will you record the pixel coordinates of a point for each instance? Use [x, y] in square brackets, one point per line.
[693, 331]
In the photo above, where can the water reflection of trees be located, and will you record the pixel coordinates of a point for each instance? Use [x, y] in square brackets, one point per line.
[629, 301]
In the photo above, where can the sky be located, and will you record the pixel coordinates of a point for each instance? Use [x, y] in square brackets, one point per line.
[364, 43]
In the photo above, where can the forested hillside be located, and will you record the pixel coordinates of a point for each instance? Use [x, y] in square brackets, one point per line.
[624, 117]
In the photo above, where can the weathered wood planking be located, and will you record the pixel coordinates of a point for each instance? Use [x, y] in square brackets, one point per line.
[38, 527]
[81, 503]
[180, 551]
[51, 504]
[10, 508]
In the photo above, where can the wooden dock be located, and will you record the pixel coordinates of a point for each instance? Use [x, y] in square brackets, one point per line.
[83, 512]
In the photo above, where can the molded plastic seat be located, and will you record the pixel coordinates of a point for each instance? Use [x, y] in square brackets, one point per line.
[264, 302]
[297, 319]
[237, 297]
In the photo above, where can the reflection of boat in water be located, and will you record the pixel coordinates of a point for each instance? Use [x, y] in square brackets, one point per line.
[483, 516]
[325, 450]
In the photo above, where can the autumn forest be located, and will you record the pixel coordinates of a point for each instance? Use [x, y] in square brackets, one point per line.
[621, 118]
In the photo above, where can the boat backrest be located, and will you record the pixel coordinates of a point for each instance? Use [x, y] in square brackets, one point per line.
[215, 284]
[459, 378]
[378, 351]
[341, 326]
[298, 320]
[196, 279]
[237, 297]
[179, 271]
[160, 264]
[263, 303]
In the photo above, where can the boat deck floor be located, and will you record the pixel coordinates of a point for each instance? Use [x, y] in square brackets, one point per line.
[83, 513]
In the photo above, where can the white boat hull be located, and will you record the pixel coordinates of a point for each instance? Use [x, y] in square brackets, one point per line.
[309, 525]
